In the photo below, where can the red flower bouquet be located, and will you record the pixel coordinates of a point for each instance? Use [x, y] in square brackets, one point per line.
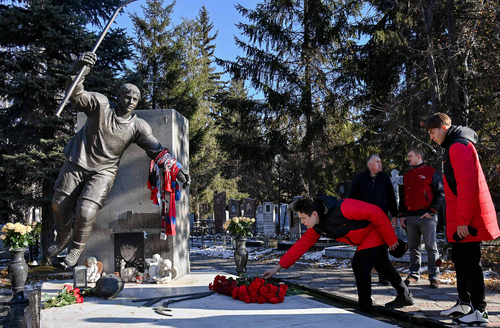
[249, 290]
[67, 296]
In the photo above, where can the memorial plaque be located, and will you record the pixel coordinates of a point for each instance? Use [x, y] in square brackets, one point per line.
[129, 247]
[234, 208]
[249, 207]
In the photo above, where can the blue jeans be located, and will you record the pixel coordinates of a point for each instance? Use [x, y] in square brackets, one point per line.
[426, 227]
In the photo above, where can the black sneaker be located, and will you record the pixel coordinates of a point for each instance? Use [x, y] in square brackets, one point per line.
[401, 301]
[383, 281]
[411, 278]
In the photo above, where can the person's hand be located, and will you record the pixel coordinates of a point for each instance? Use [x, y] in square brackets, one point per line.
[394, 221]
[271, 272]
[402, 220]
[463, 231]
[393, 246]
[426, 216]
[86, 59]
[183, 176]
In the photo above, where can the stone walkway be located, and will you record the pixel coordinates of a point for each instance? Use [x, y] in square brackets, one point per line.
[340, 283]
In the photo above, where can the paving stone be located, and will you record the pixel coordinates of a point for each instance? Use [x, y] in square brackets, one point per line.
[429, 302]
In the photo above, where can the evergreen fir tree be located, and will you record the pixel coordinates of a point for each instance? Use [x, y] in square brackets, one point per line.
[160, 62]
[39, 42]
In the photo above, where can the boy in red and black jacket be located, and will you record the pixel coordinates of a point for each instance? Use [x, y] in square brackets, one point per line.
[470, 216]
[356, 223]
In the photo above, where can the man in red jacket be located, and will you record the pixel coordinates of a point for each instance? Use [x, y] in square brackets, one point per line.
[470, 216]
[356, 223]
[420, 200]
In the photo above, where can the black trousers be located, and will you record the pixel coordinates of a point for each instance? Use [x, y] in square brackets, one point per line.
[470, 280]
[363, 263]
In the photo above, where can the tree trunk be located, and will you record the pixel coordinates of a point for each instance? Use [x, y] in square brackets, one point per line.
[454, 105]
[307, 100]
[427, 14]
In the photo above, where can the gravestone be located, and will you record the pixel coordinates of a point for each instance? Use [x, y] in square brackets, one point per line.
[128, 207]
[249, 208]
[233, 206]
[259, 219]
[269, 218]
[296, 228]
[284, 223]
[220, 211]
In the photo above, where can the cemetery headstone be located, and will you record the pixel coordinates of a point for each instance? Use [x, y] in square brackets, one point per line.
[220, 211]
[234, 208]
[269, 218]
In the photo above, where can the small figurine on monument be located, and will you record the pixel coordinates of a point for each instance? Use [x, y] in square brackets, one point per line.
[92, 159]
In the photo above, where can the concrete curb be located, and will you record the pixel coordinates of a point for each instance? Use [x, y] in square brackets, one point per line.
[414, 319]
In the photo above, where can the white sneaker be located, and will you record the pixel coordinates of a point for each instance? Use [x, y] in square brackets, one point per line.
[476, 318]
[458, 310]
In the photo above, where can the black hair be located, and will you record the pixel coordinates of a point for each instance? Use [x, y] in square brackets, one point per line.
[307, 205]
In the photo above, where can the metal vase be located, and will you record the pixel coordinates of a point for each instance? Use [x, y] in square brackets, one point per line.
[18, 272]
[241, 255]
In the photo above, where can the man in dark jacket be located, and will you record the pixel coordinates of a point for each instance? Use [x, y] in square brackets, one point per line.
[421, 199]
[470, 216]
[375, 187]
[356, 223]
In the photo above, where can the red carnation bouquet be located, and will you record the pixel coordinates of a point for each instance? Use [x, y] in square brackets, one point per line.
[249, 290]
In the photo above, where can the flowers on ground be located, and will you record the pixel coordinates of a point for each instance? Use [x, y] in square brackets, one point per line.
[249, 290]
[17, 236]
[239, 226]
[67, 296]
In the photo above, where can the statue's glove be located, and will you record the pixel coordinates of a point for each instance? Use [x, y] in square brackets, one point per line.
[183, 176]
[165, 159]
[86, 59]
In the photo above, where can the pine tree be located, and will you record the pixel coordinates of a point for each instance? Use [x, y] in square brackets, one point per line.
[203, 85]
[39, 42]
[293, 57]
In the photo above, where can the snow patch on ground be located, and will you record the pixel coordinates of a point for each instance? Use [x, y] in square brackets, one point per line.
[314, 259]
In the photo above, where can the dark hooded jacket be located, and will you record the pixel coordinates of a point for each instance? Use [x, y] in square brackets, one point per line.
[468, 199]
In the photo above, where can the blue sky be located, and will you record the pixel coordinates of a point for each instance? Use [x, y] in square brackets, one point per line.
[221, 12]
